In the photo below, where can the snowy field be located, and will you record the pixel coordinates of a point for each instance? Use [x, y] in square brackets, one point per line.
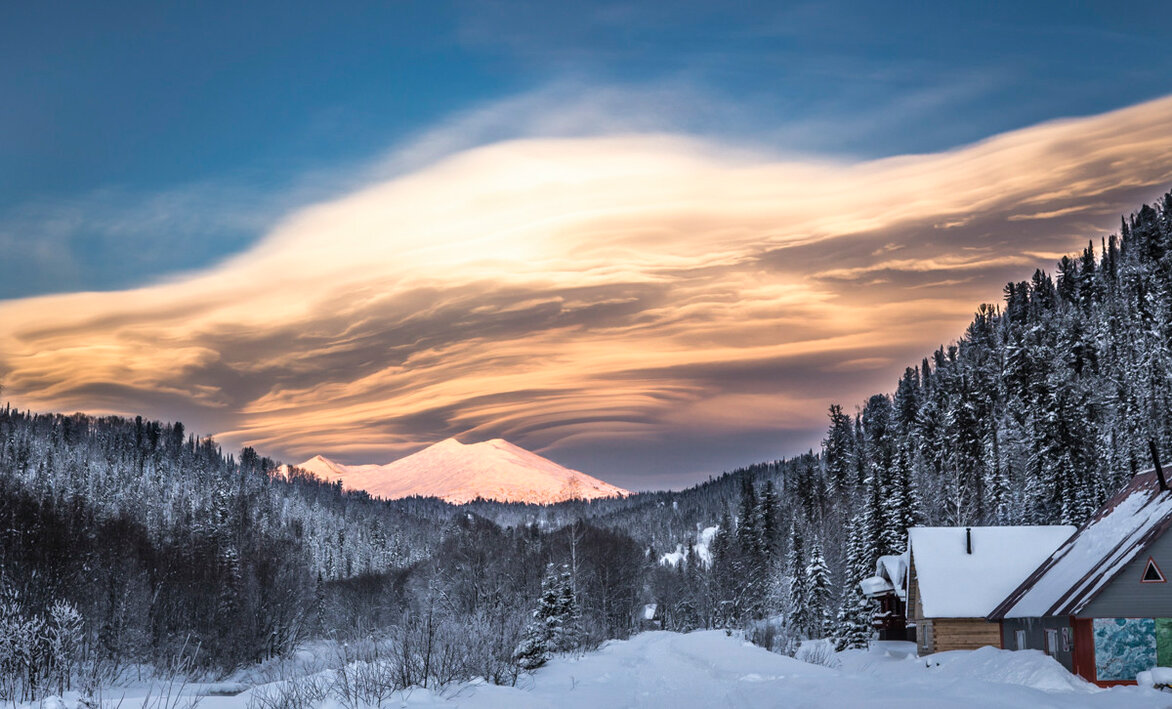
[710, 669]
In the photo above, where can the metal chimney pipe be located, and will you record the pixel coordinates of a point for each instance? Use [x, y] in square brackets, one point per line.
[1156, 462]
[968, 539]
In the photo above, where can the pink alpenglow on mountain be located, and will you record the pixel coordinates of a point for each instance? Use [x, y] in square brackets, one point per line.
[459, 473]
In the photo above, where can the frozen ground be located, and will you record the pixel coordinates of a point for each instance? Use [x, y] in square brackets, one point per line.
[710, 669]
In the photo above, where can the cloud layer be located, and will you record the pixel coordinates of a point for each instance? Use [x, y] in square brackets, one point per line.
[647, 307]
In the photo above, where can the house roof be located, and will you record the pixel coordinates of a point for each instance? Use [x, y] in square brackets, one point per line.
[890, 577]
[1067, 581]
[953, 583]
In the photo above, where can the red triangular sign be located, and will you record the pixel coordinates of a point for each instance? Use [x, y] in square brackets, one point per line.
[1152, 573]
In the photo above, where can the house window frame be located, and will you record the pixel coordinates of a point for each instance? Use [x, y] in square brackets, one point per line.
[1152, 565]
[1050, 641]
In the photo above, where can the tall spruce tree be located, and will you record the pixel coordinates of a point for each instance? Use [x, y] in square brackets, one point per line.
[819, 595]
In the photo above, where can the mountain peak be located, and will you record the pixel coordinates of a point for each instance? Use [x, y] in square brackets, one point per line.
[459, 473]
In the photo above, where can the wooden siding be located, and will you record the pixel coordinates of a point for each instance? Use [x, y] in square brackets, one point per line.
[964, 634]
[916, 610]
[941, 634]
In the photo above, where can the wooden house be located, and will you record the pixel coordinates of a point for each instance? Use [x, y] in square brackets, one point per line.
[888, 588]
[1101, 604]
[958, 575]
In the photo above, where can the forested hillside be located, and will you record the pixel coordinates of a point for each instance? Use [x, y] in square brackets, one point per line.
[1037, 413]
[127, 542]
[1041, 410]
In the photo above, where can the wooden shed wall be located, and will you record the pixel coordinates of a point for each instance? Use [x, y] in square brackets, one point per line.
[964, 634]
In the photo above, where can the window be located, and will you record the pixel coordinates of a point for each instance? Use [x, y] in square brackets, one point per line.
[1152, 573]
[1051, 645]
[1020, 639]
[1066, 640]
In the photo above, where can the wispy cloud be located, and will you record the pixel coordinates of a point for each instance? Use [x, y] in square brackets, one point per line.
[650, 292]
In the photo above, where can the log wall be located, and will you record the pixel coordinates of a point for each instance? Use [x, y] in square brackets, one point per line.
[963, 634]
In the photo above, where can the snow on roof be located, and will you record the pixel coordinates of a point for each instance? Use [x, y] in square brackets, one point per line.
[955, 584]
[1068, 580]
[890, 575]
[875, 586]
[894, 569]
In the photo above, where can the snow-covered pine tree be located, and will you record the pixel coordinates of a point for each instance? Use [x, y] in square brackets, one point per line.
[854, 615]
[799, 617]
[838, 450]
[901, 504]
[819, 593]
[767, 512]
[748, 533]
[533, 650]
[569, 636]
[544, 631]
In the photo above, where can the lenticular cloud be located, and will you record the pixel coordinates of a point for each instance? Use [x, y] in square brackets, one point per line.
[593, 289]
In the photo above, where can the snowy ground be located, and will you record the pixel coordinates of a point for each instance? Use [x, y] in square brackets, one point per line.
[710, 669]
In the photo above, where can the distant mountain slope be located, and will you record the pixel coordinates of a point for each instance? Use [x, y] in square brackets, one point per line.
[459, 473]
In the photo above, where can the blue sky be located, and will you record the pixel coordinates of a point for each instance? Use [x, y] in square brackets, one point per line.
[116, 110]
[650, 240]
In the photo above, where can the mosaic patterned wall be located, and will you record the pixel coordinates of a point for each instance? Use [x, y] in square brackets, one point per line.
[1125, 647]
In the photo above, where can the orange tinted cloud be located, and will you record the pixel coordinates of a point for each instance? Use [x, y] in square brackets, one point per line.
[568, 294]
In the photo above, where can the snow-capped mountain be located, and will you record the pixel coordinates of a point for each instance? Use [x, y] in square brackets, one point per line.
[459, 473]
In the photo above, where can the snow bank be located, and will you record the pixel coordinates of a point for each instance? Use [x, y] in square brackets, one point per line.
[715, 669]
[1157, 675]
[1028, 668]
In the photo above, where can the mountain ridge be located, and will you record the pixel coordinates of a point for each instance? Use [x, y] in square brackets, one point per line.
[459, 473]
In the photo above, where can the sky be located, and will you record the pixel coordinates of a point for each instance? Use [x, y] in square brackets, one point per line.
[652, 241]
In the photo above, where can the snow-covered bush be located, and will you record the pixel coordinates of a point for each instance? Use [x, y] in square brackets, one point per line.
[818, 652]
[297, 693]
[38, 653]
[63, 636]
[770, 633]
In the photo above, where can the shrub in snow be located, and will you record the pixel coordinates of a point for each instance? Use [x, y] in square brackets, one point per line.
[771, 634]
[818, 652]
[297, 693]
[38, 653]
[63, 637]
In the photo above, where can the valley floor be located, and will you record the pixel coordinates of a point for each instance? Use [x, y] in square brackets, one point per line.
[711, 669]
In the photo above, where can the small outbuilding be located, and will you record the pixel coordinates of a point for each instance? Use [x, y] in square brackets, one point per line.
[888, 588]
[958, 575]
[1101, 603]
